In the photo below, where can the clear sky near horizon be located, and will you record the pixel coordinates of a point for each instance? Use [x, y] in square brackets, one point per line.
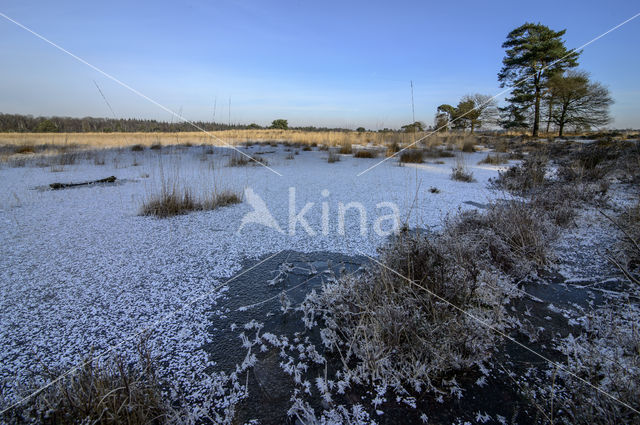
[321, 63]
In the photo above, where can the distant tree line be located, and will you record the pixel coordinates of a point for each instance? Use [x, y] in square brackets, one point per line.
[30, 124]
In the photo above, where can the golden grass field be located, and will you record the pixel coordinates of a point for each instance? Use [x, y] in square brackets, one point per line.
[222, 138]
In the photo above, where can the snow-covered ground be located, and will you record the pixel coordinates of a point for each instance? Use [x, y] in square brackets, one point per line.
[81, 269]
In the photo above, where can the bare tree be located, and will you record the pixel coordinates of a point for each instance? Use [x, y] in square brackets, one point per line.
[484, 110]
[577, 101]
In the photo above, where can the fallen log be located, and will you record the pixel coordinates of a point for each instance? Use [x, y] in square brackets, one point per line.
[56, 186]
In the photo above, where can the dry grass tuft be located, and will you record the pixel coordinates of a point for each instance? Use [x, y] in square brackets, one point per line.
[392, 149]
[346, 149]
[495, 159]
[460, 172]
[25, 149]
[414, 156]
[100, 392]
[333, 157]
[239, 160]
[177, 202]
[363, 153]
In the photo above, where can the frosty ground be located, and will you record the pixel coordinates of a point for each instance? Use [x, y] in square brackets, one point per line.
[82, 270]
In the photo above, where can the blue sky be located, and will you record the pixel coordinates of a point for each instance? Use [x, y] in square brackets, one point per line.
[320, 63]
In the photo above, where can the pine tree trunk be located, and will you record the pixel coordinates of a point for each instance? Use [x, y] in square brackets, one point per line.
[536, 111]
[549, 115]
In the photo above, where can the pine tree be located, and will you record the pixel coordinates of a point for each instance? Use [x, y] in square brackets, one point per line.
[534, 53]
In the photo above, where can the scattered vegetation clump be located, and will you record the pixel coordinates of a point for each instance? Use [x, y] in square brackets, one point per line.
[468, 145]
[289, 156]
[240, 160]
[363, 153]
[510, 236]
[437, 153]
[593, 162]
[495, 159]
[68, 158]
[445, 154]
[174, 202]
[434, 189]
[333, 157]
[523, 178]
[346, 149]
[156, 146]
[107, 391]
[414, 156]
[393, 148]
[25, 149]
[399, 325]
[460, 172]
[307, 148]
[137, 148]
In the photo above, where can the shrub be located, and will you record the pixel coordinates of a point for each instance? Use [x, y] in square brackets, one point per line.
[396, 330]
[414, 156]
[511, 236]
[156, 146]
[523, 178]
[307, 148]
[137, 148]
[365, 154]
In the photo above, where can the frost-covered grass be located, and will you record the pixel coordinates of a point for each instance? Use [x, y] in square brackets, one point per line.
[407, 331]
[100, 391]
[606, 354]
